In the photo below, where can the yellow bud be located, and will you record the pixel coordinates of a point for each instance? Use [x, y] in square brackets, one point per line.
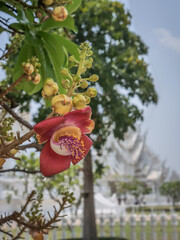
[64, 72]
[88, 100]
[94, 78]
[50, 88]
[65, 83]
[84, 84]
[72, 59]
[2, 161]
[28, 78]
[47, 2]
[13, 151]
[88, 64]
[28, 68]
[36, 78]
[91, 92]
[59, 14]
[61, 104]
[79, 101]
[77, 78]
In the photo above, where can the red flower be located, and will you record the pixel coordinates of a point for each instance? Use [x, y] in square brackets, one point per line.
[66, 140]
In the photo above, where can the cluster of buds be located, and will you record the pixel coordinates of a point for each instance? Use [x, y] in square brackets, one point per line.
[6, 129]
[80, 100]
[15, 42]
[73, 99]
[31, 70]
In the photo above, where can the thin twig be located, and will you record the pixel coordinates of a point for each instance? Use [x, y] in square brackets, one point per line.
[31, 145]
[19, 234]
[19, 170]
[16, 116]
[9, 89]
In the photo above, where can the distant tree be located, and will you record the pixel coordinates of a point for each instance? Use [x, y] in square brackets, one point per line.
[119, 62]
[171, 190]
[134, 187]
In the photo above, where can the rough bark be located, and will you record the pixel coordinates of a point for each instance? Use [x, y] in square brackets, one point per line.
[89, 226]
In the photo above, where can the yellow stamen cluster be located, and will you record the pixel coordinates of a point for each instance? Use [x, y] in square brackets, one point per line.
[68, 131]
[70, 138]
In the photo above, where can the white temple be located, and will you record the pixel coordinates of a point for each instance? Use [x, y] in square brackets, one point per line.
[130, 159]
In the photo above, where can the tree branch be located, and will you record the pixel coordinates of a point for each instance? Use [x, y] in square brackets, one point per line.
[16, 116]
[19, 170]
[17, 142]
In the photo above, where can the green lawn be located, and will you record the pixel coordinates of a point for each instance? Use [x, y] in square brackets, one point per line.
[117, 232]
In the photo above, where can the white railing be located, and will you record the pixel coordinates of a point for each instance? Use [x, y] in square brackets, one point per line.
[152, 226]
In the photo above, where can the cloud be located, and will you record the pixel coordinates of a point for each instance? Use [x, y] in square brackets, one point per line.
[168, 40]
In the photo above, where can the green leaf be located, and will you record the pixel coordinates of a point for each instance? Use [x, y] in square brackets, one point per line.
[56, 54]
[19, 26]
[51, 24]
[27, 51]
[71, 47]
[46, 69]
[1, 30]
[30, 15]
[74, 6]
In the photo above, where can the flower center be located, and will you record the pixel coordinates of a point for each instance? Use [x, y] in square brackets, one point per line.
[67, 141]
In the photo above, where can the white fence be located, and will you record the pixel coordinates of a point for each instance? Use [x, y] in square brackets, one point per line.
[153, 226]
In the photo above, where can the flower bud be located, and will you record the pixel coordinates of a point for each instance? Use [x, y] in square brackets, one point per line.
[65, 83]
[2, 161]
[13, 151]
[91, 92]
[36, 235]
[84, 84]
[88, 64]
[94, 78]
[72, 59]
[64, 72]
[36, 78]
[38, 14]
[47, 2]
[88, 100]
[50, 88]
[28, 78]
[61, 104]
[77, 78]
[59, 14]
[28, 68]
[79, 101]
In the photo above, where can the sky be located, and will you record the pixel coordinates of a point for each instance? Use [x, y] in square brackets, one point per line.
[157, 22]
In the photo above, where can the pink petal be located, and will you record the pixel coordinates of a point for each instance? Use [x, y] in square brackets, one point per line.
[52, 163]
[87, 144]
[48, 126]
[86, 126]
[77, 116]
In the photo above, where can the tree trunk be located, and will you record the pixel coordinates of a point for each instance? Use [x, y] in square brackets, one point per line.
[89, 225]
